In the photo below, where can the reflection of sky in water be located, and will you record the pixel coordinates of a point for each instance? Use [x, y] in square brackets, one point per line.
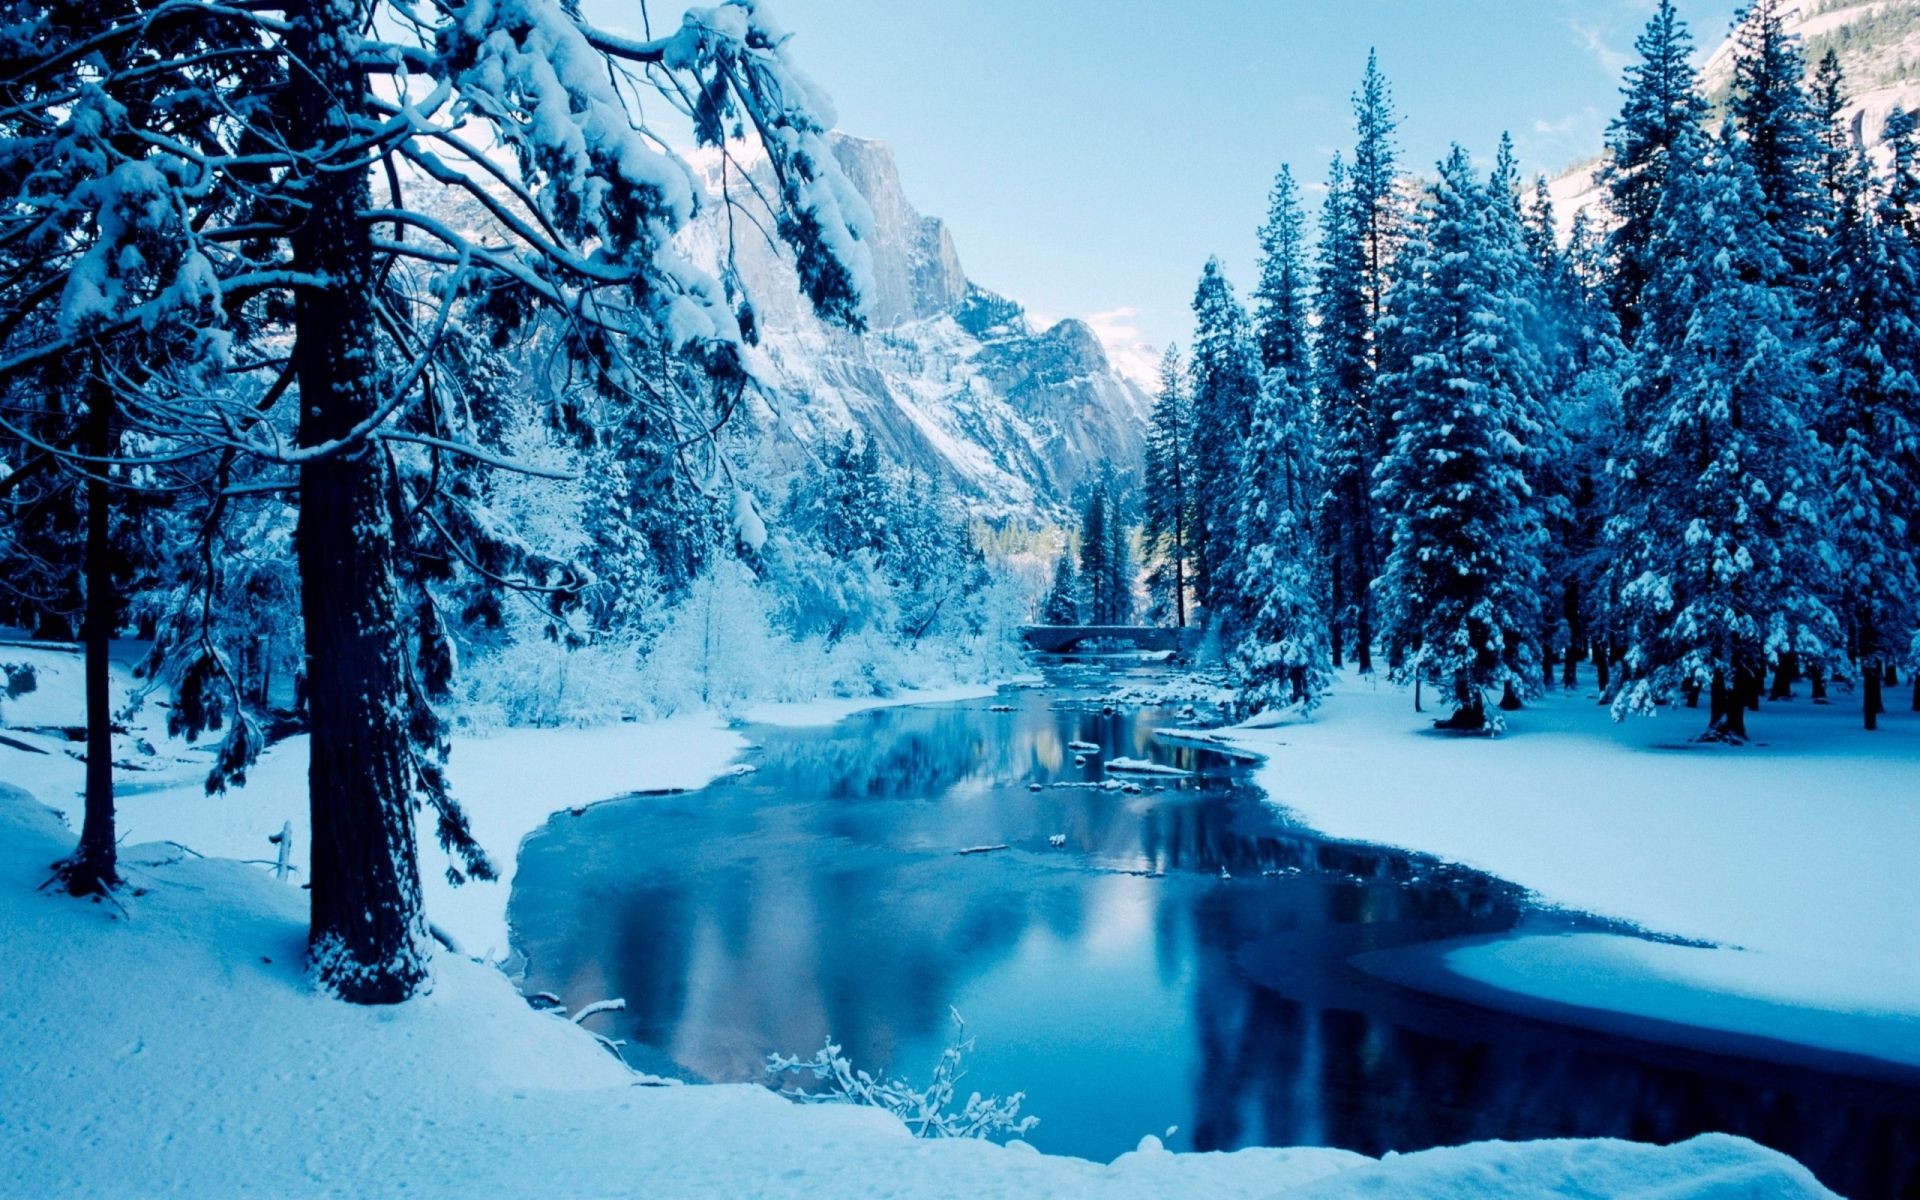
[1119, 981]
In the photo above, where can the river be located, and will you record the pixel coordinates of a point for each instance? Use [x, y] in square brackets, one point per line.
[1179, 964]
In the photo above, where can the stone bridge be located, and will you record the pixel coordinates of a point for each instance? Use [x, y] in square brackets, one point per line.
[1064, 639]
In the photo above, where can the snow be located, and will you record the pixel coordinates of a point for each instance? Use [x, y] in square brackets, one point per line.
[1792, 857]
[509, 783]
[209, 1040]
[1866, 1012]
[800, 714]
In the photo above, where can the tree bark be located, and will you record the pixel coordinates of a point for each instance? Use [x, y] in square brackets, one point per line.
[1570, 609]
[94, 869]
[367, 939]
[1872, 704]
[1727, 710]
[1784, 673]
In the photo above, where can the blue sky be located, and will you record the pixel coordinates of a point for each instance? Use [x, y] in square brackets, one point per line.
[1089, 155]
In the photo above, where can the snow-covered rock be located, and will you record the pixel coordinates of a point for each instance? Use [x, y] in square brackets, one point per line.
[951, 380]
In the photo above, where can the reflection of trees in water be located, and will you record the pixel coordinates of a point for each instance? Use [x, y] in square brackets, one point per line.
[821, 895]
[1294, 1063]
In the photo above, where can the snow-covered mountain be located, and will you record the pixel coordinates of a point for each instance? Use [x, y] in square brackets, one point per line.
[952, 380]
[1878, 42]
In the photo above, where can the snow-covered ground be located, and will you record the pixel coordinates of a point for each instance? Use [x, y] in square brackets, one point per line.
[1793, 857]
[174, 1047]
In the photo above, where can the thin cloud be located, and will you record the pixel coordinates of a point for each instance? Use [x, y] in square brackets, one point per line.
[1595, 43]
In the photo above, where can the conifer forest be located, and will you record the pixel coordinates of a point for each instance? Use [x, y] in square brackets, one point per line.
[554, 640]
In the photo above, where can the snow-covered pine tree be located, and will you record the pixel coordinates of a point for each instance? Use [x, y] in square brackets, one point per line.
[1781, 131]
[1361, 226]
[1226, 378]
[1662, 102]
[1168, 502]
[1716, 539]
[1282, 656]
[1532, 288]
[577, 217]
[1096, 550]
[1120, 559]
[1584, 363]
[1343, 381]
[97, 230]
[1280, 309]
[1867, 339]
[1062, 605]
[1459, 593]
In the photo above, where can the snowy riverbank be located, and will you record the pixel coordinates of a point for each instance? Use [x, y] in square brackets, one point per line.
[223, 1074]
[1792, 857]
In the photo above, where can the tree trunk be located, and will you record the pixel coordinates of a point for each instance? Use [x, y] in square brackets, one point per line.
[1727, 710]
[1363, 636]
[1872, 705]
[1179, 580]
[1339, 596]
[1576, 636]
[94, 869]
[1785, 671]
[1817, 683]
[1509, 699]
[1602, 669]
[367, 940]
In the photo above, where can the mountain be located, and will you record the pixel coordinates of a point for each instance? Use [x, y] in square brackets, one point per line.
[1878, 42]
[952, 380]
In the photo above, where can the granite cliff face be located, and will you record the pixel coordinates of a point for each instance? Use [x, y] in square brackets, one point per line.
[952, 380]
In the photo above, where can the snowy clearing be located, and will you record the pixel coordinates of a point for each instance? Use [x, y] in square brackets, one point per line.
[1793, 856]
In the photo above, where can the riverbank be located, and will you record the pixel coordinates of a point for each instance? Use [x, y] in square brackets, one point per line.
[1789, 860]
[171, 1044]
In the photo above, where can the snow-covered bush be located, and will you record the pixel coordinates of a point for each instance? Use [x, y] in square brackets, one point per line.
[929, 1112]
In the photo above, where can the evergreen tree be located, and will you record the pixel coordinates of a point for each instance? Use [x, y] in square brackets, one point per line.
[1662, 103]
[1169, 496]
[1225, 375]
[1119, 556]
[1062, 606]
[1780, 131]
[1096, 550]
[1282, 656]
[1459, 593]
[1868, 337]
[1360, 225]
[1280, 301]
[1715, 539]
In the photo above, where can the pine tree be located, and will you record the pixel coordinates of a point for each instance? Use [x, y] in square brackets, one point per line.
[1062, 606]
[1168, 507]
[1225, 377]
[1119, 556]
[1282, 656]
[323, 368]
[1459, 593]
[1868, 338]
[1360, 226]
[1096, 549]
[1715, 539]
[1662, 103]
[1780, 131]
[1280, 301]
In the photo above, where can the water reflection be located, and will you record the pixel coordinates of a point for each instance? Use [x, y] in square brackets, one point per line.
[1183, 959]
